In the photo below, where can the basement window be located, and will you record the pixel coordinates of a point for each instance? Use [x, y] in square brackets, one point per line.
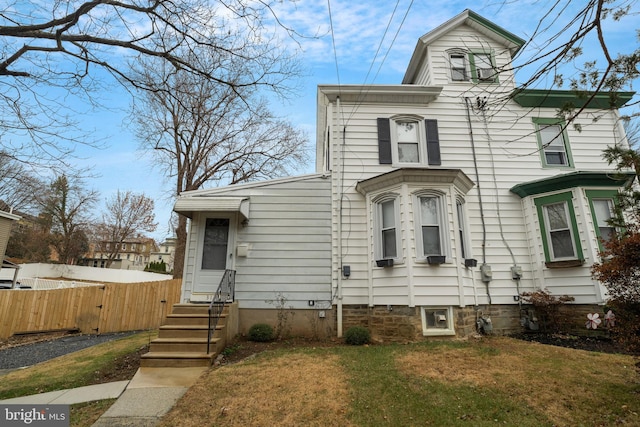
[437, 321]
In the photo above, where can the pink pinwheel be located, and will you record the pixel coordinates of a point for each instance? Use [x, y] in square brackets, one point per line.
[609, 319]
[594, 321]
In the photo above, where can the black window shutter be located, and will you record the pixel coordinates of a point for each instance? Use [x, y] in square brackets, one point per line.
[384, 141]
[433, 142]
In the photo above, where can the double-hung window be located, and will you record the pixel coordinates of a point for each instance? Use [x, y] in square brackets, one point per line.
[553, 143]
[558, 228]
[602, 204]
[431, 236]
[458, 67]
[387, 235]
[603, 209]
[408, 141]
[483, 68]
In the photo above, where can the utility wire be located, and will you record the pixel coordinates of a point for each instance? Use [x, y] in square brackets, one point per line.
[362, 95]
[384, 35]
[333, 41]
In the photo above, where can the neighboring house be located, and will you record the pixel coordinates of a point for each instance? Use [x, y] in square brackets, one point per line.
[165, 253]
[6, 222]
[436, 202]
[133, 254]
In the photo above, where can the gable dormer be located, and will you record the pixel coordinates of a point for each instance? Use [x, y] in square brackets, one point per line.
[466, 50]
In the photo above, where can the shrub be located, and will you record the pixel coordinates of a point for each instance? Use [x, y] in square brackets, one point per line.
[547, 308]
[357, 335]
[261, 332]
[626, 330]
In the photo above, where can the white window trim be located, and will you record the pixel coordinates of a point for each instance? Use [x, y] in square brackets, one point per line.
[377, 226]
[445, 239]
[422, 141]
[449, 330]
[552, 255]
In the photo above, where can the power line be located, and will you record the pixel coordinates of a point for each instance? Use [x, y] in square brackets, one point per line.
[362, 95]
[333, 41]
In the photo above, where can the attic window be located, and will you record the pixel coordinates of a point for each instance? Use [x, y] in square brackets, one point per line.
[483, 68]
[458, 67]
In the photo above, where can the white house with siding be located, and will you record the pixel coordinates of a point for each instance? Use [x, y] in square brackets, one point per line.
[436, 202]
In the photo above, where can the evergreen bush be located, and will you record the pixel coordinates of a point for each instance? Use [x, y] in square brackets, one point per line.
[357, 335]
[261, 332]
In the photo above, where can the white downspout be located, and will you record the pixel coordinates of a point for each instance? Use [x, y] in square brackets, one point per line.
[339, 225]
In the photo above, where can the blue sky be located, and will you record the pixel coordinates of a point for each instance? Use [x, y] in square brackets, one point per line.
[358, 28]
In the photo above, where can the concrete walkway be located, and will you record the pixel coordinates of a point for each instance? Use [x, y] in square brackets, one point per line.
[74, 395]
[150, 394]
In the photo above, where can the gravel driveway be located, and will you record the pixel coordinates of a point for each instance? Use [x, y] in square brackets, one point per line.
[30, 354]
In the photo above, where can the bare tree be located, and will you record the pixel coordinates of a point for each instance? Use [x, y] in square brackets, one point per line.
[28, 241]
[66, 208]
[50, 51]
[127, 215]
[201, 132]
[554, 52]
[17, 185]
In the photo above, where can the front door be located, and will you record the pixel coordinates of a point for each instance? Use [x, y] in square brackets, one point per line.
[215, 255]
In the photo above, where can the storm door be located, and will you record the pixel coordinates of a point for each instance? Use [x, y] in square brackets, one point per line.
[215, 254]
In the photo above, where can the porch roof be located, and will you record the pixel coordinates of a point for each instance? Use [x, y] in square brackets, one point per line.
[187, 206]
[572, 179]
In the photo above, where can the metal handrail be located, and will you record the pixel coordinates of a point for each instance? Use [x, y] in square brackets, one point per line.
[224, 294]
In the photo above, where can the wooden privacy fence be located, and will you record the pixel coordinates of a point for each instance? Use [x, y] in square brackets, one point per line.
[111, 307]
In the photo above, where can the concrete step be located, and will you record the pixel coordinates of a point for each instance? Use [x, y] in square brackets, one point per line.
[198, 345]
[186, 331]
[176, 359]
[190, 319]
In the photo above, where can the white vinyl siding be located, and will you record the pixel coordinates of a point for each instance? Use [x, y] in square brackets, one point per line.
[288, 240]
[507, 153]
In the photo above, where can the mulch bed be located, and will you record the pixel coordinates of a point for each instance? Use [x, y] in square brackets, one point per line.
[600, 343]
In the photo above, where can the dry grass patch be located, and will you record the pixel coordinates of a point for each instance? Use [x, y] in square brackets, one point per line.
[572, 387]
[287, 390]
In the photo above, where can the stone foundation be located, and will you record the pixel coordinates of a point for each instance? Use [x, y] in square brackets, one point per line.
[404, 324]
